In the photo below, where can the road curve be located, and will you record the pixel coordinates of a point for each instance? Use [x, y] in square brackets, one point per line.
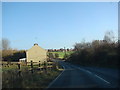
[80, 77]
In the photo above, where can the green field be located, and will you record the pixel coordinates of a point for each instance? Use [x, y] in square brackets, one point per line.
[61, 54]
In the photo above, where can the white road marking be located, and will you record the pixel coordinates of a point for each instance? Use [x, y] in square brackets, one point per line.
[95, 75]
[81, 69]
[86, 71]
[89, 72]
[102, 79]
[56, 78]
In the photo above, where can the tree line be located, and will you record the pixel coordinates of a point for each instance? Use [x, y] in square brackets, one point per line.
[60, 50]
[96, 53]
[9, 54]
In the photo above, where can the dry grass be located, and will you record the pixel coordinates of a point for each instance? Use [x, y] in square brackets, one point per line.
[27, 79]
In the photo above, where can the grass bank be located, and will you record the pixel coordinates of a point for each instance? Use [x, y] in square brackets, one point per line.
[37, 79]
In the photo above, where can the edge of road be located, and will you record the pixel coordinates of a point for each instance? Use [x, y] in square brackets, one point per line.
[85, 70]
[55, 78]
[89, 72]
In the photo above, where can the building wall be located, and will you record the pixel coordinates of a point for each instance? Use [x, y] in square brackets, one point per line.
[36, 54]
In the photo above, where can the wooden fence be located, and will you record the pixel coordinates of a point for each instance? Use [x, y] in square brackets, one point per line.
[38, 65]
[15, 72]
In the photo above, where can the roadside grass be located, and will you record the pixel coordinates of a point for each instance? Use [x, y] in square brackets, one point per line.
[61, 54]
[13, 67]
[37, 79]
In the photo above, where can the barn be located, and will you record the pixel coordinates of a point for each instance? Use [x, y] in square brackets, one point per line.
[36, 54]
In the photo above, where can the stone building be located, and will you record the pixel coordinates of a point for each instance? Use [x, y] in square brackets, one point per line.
[36, 54]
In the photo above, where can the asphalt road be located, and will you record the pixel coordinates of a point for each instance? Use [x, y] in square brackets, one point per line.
[85, 77]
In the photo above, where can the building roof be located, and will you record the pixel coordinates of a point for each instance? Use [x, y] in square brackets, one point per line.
[36, 46]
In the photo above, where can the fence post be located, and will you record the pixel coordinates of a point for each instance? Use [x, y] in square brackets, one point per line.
[45, 67]
[19, 71]
[31, 66]
[8, 64]
[48, 65]
[39, 66]
[54, 65]
[57, 65]
[51, 65]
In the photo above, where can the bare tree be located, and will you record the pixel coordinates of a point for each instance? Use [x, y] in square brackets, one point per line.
[109, 37]
[5, 44]
[0, 44]
[79, 46]
[95, 43]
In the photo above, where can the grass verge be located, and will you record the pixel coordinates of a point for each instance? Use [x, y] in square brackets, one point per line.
[37, 79]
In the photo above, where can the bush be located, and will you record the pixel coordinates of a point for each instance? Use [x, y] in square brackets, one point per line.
[56, 55]
[105, 54]
[12, 55]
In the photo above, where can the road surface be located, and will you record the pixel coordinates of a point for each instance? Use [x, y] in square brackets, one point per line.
[85, 77]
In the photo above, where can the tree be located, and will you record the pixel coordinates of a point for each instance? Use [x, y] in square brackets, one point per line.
[56, 55]
[13, 55]
[0, 45]
[77, 46]
[82, 45]
[50, 55]
[109, 37]
[66, 56]
[95, 43]
[5, 44]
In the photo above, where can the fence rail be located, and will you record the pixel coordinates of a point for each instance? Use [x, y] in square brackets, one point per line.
[16, 72]
[39, 65]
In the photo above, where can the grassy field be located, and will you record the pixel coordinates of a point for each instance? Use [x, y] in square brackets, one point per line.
[61, 54]
[37, 79]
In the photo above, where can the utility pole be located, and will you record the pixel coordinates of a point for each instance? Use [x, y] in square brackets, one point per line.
[65, 52]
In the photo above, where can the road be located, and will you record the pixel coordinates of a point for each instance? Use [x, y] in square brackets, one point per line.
[85, 77]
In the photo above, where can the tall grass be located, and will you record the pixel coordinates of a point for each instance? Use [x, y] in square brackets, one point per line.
[37, 79]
